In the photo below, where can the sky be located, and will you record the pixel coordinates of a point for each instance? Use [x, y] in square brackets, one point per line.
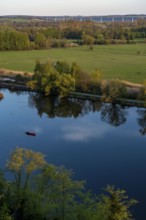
[72, 7]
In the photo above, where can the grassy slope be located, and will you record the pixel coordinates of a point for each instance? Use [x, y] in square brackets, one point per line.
[115, 61]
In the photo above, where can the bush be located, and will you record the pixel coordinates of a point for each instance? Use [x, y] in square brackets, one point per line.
[112, 90]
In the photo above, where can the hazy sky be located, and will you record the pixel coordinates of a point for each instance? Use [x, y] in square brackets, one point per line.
[72, 7]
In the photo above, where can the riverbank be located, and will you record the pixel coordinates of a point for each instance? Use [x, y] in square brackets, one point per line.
[13, 73]
[128, 102]
[14, 87]
[85, 96]
[17, 80]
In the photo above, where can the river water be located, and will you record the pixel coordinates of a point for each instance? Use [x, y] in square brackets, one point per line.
[102, 143]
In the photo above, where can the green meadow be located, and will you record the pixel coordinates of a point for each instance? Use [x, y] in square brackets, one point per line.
[125, 62]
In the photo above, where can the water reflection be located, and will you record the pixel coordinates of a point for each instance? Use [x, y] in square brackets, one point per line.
[114, 114]
[71, 107]
[83, 132]
[65, 107]
[97, 152]
[142, 121]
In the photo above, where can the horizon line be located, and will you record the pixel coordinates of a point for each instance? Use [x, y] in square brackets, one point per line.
[134, 14]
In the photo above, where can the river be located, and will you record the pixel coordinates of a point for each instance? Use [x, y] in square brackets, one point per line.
[102, 143]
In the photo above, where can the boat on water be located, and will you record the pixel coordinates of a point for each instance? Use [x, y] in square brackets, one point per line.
[30, 133]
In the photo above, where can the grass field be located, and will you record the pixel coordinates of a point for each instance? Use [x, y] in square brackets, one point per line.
[125, 62]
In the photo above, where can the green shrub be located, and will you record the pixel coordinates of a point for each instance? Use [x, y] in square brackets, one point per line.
[113, 90]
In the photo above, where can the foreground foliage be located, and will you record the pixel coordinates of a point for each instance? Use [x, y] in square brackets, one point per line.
[42, 191]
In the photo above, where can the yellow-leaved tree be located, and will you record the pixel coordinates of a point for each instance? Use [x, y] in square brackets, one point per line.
[23, 163]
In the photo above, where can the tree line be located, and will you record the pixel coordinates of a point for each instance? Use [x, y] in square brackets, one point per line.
[60, 78]
[42, 191]
[44, 35]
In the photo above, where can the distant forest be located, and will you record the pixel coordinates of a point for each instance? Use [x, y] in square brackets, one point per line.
[25, 33]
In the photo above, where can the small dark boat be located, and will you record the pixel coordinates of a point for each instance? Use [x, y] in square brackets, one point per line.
[30, 133]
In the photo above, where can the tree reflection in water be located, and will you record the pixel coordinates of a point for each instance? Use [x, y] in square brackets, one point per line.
[73, 107]
[64, 107]
[114, 114]
[142, 121]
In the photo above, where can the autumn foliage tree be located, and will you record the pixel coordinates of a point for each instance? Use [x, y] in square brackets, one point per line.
[113, 90]
[44, 191]
[22, 164]
[52, 79]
